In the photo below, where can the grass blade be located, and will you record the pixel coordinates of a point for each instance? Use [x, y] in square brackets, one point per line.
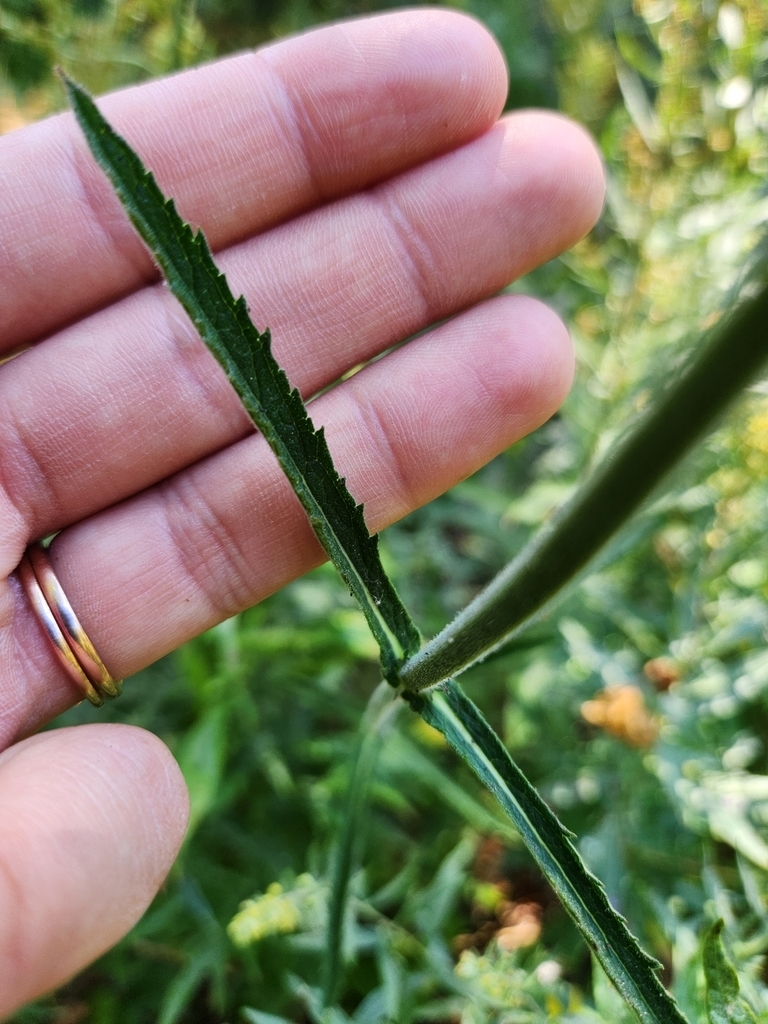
[631, 970]
[380, 713]
[624, 479]
[244, 353]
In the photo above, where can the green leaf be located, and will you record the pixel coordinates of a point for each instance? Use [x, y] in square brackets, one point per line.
[245, 355]
[201, 756]
[405, 759]
[686, 408]
[434, 905]
[723, 1003]
[631, 970]
[181, 990]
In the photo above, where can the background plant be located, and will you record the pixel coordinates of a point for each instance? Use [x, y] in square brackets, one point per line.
[685, 207]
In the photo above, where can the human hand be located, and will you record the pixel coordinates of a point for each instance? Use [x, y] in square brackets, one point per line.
[358, 187]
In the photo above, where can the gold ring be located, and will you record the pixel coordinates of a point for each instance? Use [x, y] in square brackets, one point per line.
[71, 643]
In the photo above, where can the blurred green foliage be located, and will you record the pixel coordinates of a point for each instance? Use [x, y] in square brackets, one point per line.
[638, 706]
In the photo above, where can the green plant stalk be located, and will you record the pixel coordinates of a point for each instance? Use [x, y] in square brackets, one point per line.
[379, 715]
[687, 407]
[447, 709]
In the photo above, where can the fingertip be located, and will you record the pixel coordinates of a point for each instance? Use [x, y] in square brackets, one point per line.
[584, 174]
[91, 819]
[571, 167]
[157, 788]
[496, 372]
[551, 359]
[476, 62]
[416, 82]
[556, 165]
[524, 362]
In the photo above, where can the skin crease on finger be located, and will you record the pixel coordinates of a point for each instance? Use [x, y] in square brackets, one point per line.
[91, 820]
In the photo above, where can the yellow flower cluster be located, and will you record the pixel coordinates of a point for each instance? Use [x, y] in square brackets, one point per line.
[496, 975]
[756, 441]
[276, 912]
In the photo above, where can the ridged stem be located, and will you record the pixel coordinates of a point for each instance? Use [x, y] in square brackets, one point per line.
[687, 406]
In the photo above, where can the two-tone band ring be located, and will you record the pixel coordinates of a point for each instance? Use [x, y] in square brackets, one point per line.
[71, 643]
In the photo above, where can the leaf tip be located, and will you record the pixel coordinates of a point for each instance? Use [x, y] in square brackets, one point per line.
[70, 85]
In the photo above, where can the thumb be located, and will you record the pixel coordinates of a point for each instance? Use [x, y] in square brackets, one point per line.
[91, 819]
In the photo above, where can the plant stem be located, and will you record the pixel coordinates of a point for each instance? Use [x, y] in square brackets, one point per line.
[631, 970]
[382, 708]
[686, 408]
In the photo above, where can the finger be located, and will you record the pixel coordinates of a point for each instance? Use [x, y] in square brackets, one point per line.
[91, 820]
[241, 144]
[158, 569]
[105, 409]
